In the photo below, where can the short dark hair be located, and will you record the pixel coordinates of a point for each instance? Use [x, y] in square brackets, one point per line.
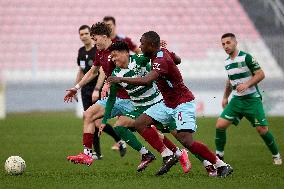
[108, 18]
[119, 46]
[84, 27]
[152, 37]
[228, 35]
[100, 28]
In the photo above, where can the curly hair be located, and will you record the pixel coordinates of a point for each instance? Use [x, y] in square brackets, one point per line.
[100, 28]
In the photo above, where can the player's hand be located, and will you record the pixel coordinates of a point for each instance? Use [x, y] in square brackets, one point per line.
[224, 102]
[113, 79]
[102, 126]
[70, 95]
[163, 44]
[105, 90]
[242, 87]
[95, 95]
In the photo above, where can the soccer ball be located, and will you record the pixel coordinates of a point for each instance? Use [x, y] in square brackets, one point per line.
[15, 165]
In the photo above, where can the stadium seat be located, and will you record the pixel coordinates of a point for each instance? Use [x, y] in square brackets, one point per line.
[192, 29]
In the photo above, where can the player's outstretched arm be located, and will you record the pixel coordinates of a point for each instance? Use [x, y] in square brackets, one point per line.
[71, 93]
[146, 80]
[90, 75]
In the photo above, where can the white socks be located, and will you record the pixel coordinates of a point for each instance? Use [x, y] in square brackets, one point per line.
[178, 153]
[143, 150]
[88, 152]
[166, 152]
[221, 154]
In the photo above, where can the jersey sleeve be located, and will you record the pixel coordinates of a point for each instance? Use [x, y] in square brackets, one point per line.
[252, 63]
[160, 67]
[172, 55]
[110, 102]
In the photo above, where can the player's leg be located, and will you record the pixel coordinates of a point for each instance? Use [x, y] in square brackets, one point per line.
[180, 153]
[143, 126]
[184, 116]
[255, 114]
[269, 140]
[108, 128]
[156, 113]
[230, 115]
[89, 117]
[220, 137]
[122, 128]
[184, 159]
[120, 142]
[86, 93]
[209, 167]
[121, 107]
[96, 144]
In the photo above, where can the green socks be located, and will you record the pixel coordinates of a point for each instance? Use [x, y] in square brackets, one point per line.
[270, 142]
[220, 139]
[128, 137]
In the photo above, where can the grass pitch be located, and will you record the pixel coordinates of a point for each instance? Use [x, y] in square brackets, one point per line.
[44, 140]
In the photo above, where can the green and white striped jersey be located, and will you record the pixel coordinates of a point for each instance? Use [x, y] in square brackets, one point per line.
[240, 70]
[138, 66]
[141, 96]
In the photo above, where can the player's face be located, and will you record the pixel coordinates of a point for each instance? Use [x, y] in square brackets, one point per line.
[229, 44]
[100, 41]
[85, 36]
[120, 58]
[111, 25]
[146, 47]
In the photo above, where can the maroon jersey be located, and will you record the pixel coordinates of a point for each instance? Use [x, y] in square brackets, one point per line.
[132, 46]
[103, 59]
[170, 81]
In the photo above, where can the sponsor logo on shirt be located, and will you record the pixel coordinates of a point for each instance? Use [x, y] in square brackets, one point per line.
[156, 66]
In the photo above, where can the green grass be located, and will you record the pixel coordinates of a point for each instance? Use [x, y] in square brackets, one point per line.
[45, 139]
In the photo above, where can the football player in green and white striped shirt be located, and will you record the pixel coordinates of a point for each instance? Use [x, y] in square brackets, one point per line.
[244, 73]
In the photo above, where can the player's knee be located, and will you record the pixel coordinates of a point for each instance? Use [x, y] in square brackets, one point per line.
[262, 129]
[120, 123]
[222, 124]
[123, 121]
[98, 123]
[185, 138]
